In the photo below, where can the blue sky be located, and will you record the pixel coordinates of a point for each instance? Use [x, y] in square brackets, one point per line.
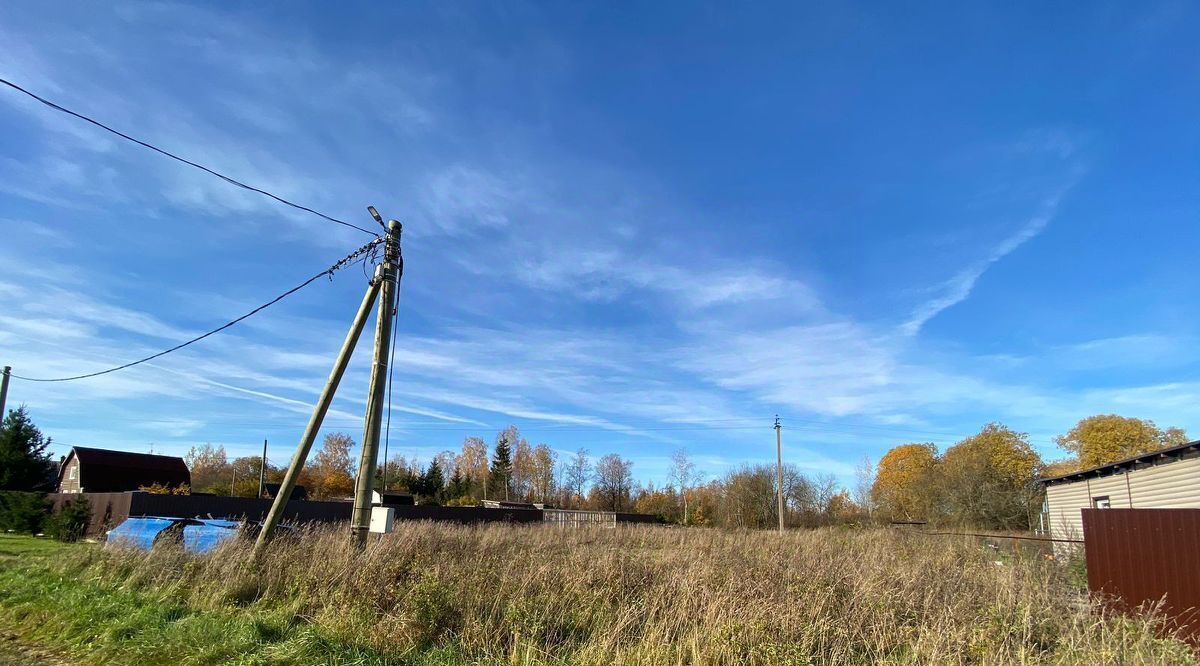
[628, 227]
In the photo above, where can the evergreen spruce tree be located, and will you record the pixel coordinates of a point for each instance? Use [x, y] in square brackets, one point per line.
[433, 481]
[24, 462]
[501, 473]
[459, 486]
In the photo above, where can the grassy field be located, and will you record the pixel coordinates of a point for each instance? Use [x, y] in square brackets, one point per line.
[17, 546]
[440, 594]
[62, 604]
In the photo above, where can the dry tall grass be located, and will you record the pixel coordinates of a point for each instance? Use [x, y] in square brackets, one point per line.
[536, 594]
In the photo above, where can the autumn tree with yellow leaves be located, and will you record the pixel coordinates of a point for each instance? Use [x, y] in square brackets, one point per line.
[332, 469]
[1106, 438]
[903, 488]
[472, 466]
[988, 480]
[1060, 467]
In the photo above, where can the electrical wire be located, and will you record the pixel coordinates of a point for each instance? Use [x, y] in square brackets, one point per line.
[177, 158]
[344, 261]
[369, 259]
[470, 428]
[1017, 537]
[387, 430]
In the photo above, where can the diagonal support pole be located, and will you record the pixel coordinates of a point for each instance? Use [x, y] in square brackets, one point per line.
[318, 416]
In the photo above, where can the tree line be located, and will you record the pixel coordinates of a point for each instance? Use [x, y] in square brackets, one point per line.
[511, 470]
[986, 480]
[989, 480]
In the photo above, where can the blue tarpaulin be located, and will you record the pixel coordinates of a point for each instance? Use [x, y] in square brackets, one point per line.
[141, 531]
[199, 535]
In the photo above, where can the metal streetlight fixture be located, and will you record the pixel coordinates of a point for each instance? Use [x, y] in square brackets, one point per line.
[375, 214]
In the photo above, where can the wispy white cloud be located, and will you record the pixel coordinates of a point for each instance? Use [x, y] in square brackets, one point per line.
[1143, 350]
[461, 197]
[833, 368]
[959, 287]
[605, 275]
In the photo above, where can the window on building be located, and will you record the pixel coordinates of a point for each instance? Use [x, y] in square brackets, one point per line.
[72, 471]
[1101, 502]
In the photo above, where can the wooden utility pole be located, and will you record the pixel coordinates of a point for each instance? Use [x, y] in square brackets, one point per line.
[360, 519]
[779, 469]
[262, 471]
[318, 415]
[4, 391]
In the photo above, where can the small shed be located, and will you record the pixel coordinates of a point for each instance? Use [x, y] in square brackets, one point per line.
[270, 490]
[1163, 479]
[392, 498]
[91, 470]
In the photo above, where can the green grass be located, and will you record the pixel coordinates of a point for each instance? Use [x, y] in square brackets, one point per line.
[83, 616]
[21, 545]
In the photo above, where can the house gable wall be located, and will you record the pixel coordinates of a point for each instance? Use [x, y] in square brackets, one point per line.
[1173, 484]
[70, 476]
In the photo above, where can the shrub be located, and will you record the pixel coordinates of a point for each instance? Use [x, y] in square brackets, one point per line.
[23, 512]
[71, 521]
[159, 489]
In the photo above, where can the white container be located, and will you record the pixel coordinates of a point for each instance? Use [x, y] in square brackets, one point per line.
[383, 519]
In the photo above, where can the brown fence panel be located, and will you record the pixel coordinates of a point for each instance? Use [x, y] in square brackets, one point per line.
[1140, 556]
[108, 509]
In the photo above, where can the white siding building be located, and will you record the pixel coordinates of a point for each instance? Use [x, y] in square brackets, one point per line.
[1165, 479]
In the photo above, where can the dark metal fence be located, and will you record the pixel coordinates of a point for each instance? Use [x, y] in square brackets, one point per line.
[638, 518]
[1137, 557]
[109, 509]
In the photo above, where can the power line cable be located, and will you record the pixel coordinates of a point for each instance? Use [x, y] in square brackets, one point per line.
[177, 158]
[338, 424]
[689, 425]
[387, 431]
[348, 259]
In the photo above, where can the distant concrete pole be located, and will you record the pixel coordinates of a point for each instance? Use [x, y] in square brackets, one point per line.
[4, 391]
[779, 469]
[262, 471]
[360, 519]
[318, 415]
